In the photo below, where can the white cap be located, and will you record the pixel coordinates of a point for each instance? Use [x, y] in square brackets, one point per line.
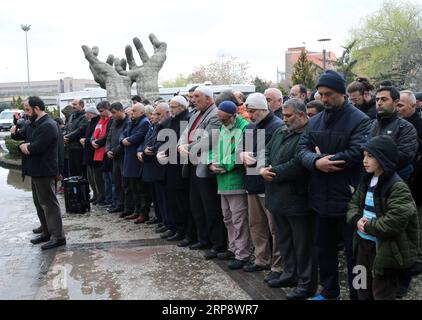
[206, 91]
[180, 100]
[256, 101]
[92, 109]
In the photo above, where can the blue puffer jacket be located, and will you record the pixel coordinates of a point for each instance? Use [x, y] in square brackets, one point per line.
[341, 133]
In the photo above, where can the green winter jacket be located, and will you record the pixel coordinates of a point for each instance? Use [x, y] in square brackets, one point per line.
[225, 156]
[396, 226]
[287, 193]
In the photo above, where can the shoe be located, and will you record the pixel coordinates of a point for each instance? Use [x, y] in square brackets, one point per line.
[103, 205]
[199, 246]
[320, 297]
[37, 230]
[252, 267]
[298, 294]
[168, 233]
[226, 255]
[115, 210]
[140, 219]
[272, 275]
[210, 254]
[40, 239]
[154, 220]
[237, 264]
[176, 237]
[125, 214]
[53, 244]
[92, 200]
[160, 224]
[161, 229]
[184, 243]
[133, 216]
[282, 283]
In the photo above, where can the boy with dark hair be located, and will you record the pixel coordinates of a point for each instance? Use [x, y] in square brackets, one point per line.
[382, 209]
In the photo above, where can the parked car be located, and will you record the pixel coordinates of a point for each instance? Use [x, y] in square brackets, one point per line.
[7, 118]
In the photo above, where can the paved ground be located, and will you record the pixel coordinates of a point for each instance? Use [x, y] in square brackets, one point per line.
[109, 258]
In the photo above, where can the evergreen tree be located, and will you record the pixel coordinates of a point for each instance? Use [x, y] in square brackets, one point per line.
[303, 71]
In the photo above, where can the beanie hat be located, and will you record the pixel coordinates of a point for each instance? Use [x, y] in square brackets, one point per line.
[418, 96]
[180, 100]
[228, 107]
[92, 109]
[332, 80]
[206, 91]
[384, 149]
[256, 101]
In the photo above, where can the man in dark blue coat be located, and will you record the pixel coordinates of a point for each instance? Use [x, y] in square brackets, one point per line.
[131, 139]
[331, 150]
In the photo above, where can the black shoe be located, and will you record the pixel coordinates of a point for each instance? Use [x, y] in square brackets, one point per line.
[272, 275]
[210, 254]
[160, 224]
[282, 283]
[237, 264]
[199, 246]
[161, 229]
[37, 230]
[184, 243]
[252, 267]
[176, 237]
[124, 214]
[115, 210]
[92, 200]
[40, 239]
[53, 244]
[226, 255]
[168, 233]
[298, 294]
[154, 220]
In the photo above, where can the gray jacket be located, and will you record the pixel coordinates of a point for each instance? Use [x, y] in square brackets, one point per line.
[205, 137]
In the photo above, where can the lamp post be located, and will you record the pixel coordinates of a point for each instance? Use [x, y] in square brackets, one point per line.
[26, 28]
[324, 67]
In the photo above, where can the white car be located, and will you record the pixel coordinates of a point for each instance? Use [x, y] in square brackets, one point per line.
[6, 118]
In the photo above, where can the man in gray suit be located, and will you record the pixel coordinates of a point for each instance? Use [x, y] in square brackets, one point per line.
[195, 144]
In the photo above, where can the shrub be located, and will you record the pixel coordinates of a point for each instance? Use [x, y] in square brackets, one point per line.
[13, 147]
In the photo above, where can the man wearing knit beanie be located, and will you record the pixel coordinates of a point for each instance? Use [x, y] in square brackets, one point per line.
[331, 150]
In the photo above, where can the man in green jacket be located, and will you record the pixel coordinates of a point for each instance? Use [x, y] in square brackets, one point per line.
[231, 185]
[286, 197]
[382, 210]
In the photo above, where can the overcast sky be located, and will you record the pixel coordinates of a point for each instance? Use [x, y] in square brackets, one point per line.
[196, 32]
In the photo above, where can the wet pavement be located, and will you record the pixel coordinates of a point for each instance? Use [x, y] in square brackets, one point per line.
[107, 257]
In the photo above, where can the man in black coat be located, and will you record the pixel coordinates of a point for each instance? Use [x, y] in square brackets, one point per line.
[177, 186]
[403, 133]
[75, 130]
[331, 149]
[40, 151]
[114, 151]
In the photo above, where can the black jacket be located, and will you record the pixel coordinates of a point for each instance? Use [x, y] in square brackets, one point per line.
[369, 108]
[341, 133]
[174, 177]
[43, 138]
[254, 183]
[75, 130]
[404, 134]
[113, 143]
[416, 120]
[88, 157]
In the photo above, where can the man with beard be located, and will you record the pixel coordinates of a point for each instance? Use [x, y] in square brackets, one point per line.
[331, 149]
[286, 199]
[359, 96]
[41, 163]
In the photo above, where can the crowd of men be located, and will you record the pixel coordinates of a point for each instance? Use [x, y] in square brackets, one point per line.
[261, 181]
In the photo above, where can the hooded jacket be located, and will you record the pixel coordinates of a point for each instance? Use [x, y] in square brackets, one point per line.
[396, 225]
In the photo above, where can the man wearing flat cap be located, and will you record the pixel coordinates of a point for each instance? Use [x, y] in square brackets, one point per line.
[195, 144]
[331, 149]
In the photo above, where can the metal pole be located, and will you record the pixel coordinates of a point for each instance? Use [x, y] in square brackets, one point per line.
[323, 59]
[27, 60]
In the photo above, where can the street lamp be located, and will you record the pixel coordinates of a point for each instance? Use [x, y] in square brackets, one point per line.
[26, 27]
[324, 52]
